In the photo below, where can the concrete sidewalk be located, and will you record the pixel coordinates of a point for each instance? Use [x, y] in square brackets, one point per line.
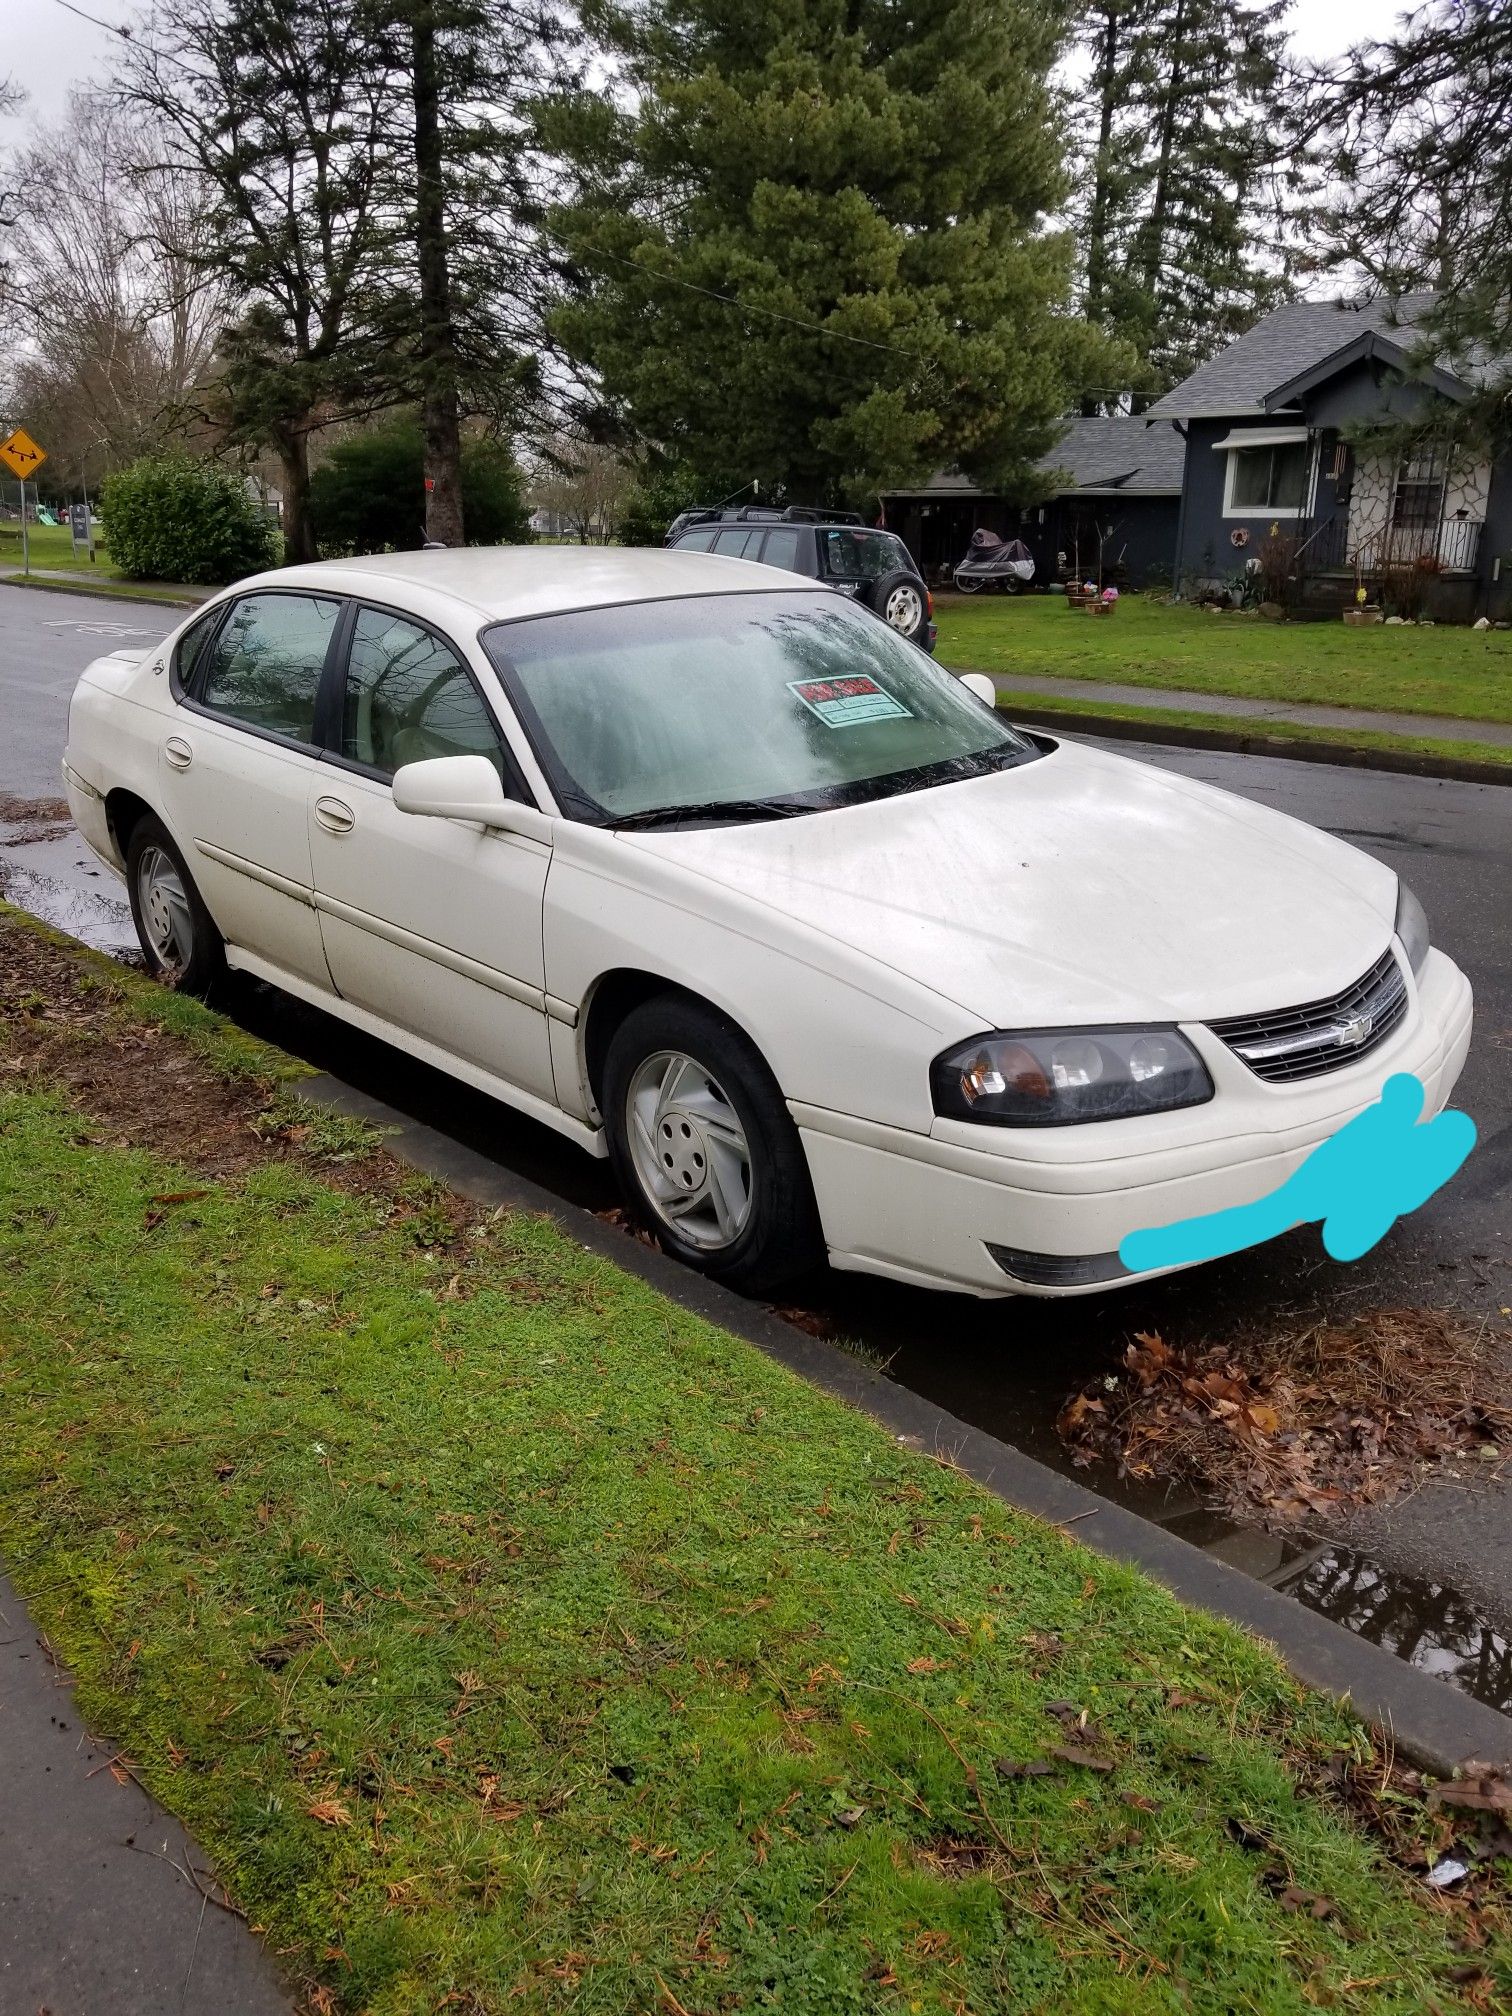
[105, 1902]
[1256, 713]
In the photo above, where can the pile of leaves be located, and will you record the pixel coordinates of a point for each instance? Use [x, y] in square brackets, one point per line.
[1283, 1424]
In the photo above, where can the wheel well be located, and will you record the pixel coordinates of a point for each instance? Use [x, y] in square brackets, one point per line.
[122, 811]
[614, 996]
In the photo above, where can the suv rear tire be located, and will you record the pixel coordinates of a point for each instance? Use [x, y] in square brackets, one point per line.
[902, 601]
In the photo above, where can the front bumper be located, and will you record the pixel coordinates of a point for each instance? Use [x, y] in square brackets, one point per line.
[928, 1208]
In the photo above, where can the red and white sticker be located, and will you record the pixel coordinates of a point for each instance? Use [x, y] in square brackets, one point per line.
[848, 702]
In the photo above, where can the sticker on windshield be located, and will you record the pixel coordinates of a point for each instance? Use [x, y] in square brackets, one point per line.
[846, 703]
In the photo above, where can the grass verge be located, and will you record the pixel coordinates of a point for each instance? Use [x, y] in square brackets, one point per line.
[1445, 669]
[514, 1639]
[113, 591]
[1071, 710]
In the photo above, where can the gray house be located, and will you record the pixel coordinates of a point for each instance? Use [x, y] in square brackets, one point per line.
[1268, 458]
[1112, 512]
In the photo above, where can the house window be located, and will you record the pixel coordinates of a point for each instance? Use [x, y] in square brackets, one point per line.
[1272, 479]
[1419, 498]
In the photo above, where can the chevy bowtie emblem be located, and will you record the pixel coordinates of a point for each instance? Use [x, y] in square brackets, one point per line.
[1351, 1034]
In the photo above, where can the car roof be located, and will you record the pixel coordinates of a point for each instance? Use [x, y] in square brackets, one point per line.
[511, 581]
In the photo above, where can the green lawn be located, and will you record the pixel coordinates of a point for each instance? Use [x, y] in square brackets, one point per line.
[52, 546]
[515, 1640]
[1442, 670]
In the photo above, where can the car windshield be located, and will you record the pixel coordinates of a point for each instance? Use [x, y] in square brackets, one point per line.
[850, 553]
[739, 706]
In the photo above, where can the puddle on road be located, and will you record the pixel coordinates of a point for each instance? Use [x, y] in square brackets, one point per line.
[1426, 1624]
[46, 869]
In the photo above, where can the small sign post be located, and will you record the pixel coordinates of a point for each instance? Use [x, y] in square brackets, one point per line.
[23, 458]
[79, 528]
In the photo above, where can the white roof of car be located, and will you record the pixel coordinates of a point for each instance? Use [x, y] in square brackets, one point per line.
[511, 581]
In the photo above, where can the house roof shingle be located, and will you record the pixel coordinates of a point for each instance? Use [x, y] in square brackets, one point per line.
[1282, 346]
[1123, 453]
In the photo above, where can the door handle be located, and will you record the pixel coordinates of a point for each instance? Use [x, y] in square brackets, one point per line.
[335, 815]
[178, 752]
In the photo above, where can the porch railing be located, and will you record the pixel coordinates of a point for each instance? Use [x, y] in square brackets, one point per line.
[1453, 544]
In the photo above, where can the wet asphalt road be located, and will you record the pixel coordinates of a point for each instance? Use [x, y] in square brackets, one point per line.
[1006, 1365]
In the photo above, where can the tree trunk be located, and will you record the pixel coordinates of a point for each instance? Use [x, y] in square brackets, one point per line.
[292, 445]
[1098, 217]
[437, 352]
[1154, 257]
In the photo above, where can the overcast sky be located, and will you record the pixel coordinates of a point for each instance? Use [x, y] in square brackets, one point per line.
[49, 49]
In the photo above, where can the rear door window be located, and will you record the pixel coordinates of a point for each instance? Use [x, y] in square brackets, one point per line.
[265, 667]
[781, 549]
[696, 542]
[735, 541]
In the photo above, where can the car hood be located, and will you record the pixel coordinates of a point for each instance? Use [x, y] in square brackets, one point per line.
[1081, 887]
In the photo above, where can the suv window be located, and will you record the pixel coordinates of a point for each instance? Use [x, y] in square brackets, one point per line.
[781, 549]
[854, 553]
[697, 542]
[266, 665]
[734, 542]
[408, 697]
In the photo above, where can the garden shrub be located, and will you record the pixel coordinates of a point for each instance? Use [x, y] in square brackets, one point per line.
[169, 518]
[368, 496]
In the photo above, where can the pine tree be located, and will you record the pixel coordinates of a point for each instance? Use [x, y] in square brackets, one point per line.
[469, 276]
[1178, 125]
[275, 108]
[808, 244]
[1417, 159]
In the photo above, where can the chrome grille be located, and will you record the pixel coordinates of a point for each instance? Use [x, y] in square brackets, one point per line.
[1320, 1036]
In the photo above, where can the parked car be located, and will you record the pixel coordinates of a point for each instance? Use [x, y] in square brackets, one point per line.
[839, 548]
[711, 871]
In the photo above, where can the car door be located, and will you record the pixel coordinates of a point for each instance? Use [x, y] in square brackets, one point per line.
[429, 923]
[235, 766]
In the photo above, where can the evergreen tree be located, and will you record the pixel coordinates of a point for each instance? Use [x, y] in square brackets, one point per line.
[466, 285]
[807, 243]
[1417, 156]
[1178, 125]
[275, 108]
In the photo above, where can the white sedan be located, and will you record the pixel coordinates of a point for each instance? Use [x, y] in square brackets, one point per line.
[713, 872]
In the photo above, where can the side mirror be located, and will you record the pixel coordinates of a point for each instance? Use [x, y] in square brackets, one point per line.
[981, 685]
[467, 788]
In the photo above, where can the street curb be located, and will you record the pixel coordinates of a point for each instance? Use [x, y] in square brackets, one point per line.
[1425, 1718]
[1403, 762]
[96, 593]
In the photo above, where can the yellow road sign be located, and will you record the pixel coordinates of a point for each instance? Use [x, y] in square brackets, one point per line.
[21, 454]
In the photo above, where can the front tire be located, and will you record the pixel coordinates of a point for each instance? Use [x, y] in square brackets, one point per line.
[177, 934]
[704, 1148]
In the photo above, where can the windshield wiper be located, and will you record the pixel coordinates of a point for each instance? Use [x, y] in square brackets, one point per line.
[734, 811]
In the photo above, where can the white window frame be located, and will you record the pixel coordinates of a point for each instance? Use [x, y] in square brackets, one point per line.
[1267, 437]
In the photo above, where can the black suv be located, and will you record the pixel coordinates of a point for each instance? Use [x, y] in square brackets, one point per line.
[836, 547]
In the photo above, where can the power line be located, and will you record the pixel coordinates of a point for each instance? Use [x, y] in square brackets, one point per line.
[754, 308]
[110, 27]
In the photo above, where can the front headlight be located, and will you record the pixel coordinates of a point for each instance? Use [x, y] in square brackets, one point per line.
[1411, 927]
[1057, 1077]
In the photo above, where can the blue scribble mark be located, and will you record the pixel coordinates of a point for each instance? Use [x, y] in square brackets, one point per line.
[1377, 1168]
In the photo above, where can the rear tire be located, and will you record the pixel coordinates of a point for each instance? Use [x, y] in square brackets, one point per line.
[704, 1147]
[177, 934]
[902, 601]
